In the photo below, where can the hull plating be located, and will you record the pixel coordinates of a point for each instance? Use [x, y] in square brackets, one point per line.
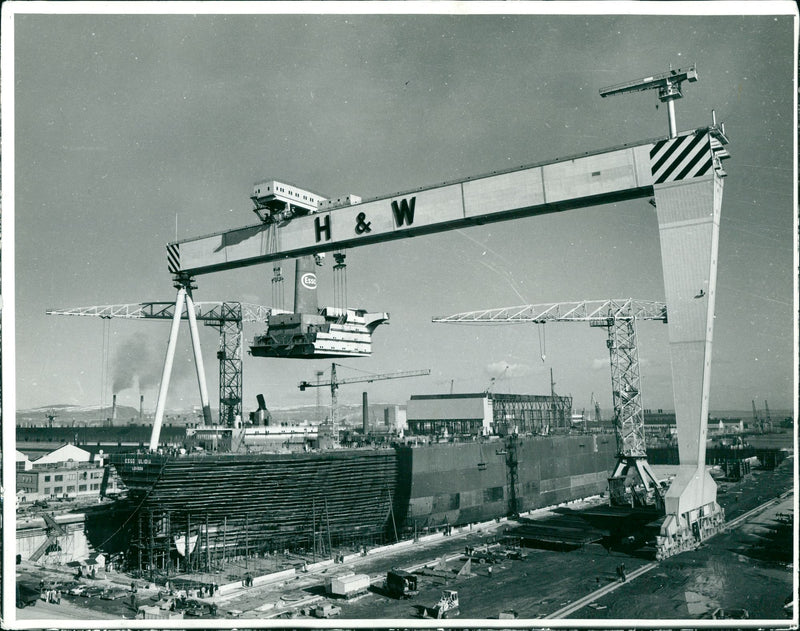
[358, 494]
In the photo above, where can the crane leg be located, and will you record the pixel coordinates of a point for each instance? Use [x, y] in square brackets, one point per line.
[167, 372]
[198, 360]
[688, 219]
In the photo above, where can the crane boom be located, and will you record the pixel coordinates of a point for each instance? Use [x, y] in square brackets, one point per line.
[368, 379]
[668, 85]
[207, 311]
[581, 311]
[334, 384]
[663, 82]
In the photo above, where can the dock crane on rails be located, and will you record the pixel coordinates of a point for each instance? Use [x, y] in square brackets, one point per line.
[633, 481]
[681, 174]
[334, 382]
[227, 317]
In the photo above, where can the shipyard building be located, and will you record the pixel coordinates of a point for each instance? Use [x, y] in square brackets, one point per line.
[482, 414]
[67, 472]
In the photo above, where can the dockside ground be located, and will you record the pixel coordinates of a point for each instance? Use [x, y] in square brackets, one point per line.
[746, 568]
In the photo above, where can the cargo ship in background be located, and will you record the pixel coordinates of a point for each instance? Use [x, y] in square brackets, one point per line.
[260, 489]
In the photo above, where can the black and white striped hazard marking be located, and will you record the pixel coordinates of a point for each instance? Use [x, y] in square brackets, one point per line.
[680, 158]
[174, 257]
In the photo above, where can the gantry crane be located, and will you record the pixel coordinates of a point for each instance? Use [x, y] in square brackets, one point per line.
[681, 174]
[335, 382]
[227, 317]
[633, 481]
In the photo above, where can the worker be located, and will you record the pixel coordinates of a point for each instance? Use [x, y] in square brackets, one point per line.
[490, 571]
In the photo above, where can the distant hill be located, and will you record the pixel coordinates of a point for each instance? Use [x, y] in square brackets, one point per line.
[95, 415]
[81, 414]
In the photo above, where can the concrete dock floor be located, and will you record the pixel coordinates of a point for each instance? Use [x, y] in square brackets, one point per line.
[741, 569]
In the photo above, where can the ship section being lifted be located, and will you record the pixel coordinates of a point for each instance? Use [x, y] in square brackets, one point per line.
[309, 332]
[331, 332]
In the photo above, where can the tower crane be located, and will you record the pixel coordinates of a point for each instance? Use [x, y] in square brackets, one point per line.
[227, 317]
[767, 419]
[633, 480]
[668, 85]
[335, 382]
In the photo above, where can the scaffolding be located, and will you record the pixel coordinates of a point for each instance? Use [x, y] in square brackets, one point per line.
[531, 413]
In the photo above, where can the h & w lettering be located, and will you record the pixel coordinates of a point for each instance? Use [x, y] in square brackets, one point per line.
[404, 211]
[320, 227]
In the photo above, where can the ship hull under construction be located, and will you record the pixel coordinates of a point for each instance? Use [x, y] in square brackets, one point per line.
[230, 503]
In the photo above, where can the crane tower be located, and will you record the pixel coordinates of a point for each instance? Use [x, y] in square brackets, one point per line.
[633, 481]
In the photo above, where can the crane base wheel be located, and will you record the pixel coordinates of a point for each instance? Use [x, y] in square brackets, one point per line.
[690, 537]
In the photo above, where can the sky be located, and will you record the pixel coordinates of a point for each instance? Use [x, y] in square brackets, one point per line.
[135, 130]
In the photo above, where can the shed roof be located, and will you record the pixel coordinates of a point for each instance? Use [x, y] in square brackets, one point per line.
[446, 407]
[65, 454]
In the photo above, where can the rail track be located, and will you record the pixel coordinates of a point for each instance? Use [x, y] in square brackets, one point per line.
[607, 589]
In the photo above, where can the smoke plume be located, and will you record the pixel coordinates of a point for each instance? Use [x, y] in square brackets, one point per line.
[139, 361]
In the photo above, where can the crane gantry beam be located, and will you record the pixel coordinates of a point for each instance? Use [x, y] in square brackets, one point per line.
[632, 480]
[588, 179]
[225, 316]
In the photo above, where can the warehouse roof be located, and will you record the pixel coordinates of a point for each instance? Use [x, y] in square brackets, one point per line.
[440, 407]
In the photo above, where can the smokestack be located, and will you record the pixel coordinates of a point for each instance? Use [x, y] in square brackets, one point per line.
[305, 285]
[141, 408]
[262, 415]
[114, 407]
[365, 413]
